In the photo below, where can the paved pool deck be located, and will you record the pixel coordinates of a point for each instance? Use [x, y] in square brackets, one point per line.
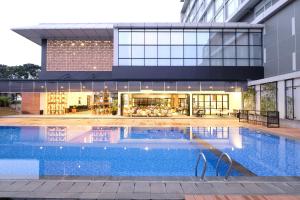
[141, 188]
[79, 120]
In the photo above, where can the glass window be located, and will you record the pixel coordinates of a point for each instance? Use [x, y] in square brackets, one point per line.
[220, 16]
[190, 37]
[137, 51]
[203, 62]
[216, 52]
[216, 38]
[190, 51]
[231, 7]
[163, 62]
[190, 62]
[255, 52]
[151, 51]
[176, 51]
[150, 62]
[216, 62]
[151, 38]
[125, 62]
[203, 51]
[229, 38]
[124, 51]
[203, 38]
[176, 37]
[137, 37]
[164, 37]
[229, 52]
[255, 62]
[242, 52]
[137, 62]
[229, 62]
[210, 13]
[242, 38]
[255, 38]
[164, 51]
[124, 37]
[218, 4]
[242, 62]
[176, 62]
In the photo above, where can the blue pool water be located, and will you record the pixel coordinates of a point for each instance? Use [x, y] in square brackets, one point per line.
[32, 152]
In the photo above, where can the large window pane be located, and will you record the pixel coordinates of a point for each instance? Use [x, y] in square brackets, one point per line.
[190, 51]
[176, 37]
[216, 52]
[190, 62]
[242, 52]
[176, 62]
[164, 52]
[151, 38]
[124, 62]
[203, 62]
[242, 62]
[229, 38]
[190, 37]
[150, 62]
[216, 62]
[163, 62]
[137, 62]
[151, 51]
[220, 16]
[229, 62]
[137, 51]
[216, 38]
[229, 52]
[203, 38]
[255, 52]
[210, 13]
[242, 38]
[255, 38]
[164, 37]
[203, 51]
[138, 37]
[255, 62]
[124, 37]
[124, 51]
[176, 51]
[218, 4]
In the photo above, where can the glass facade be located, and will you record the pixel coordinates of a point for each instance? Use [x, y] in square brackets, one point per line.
[289, 99]
[190, 47]
[268, 97]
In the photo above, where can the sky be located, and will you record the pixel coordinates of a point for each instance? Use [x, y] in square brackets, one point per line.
[17, 50]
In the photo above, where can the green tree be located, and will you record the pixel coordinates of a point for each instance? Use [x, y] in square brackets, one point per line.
[25, 71]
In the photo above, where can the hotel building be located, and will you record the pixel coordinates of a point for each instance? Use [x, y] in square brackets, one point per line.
[141, 69]
[281, 83]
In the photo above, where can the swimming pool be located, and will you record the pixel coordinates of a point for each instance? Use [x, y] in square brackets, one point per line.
[35, 152]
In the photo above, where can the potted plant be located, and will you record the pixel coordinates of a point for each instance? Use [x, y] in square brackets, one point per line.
[73, 109]
[114, 108]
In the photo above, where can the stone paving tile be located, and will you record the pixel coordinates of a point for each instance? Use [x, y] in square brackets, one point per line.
[268, 188]
[47, 186]
[130, 195]
[288, 189]
[110, 187]
[229, 188]
[64, 195]
[62, 187]
[88, 195]
[252, 188]
[142, 187]
[94, 187]
[78, 187]
[189, 188]
[205, 188]
[16, 186]
[5, 184]
[127, 187]
[31, 186]
[157, 187]
[106, 196]
[166, 196]
[173, 188]
[295, 185]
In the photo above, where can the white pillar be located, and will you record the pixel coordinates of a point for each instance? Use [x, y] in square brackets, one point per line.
[281, 99]
[191, 104]
[119, 104]
[257, 97]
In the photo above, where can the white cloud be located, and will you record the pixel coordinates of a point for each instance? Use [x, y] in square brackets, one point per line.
[15, 49]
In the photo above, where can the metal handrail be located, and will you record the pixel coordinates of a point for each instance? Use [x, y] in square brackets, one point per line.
[201, 155]
[230, 165]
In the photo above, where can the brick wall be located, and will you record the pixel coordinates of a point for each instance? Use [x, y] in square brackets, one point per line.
[30, 103]
[79, 55]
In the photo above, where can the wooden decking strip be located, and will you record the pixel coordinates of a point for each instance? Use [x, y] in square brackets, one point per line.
[242, 197]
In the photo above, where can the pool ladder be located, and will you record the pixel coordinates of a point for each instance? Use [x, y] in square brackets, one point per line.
[223, 155]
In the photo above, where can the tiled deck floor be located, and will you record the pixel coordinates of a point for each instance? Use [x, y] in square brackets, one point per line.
[242, 197]
[85, 189]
